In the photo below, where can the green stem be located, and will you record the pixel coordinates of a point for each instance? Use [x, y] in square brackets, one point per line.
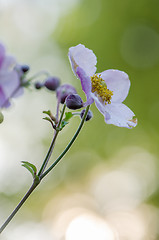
[41, 175]
[52, 144]
[31, 189]
[68, 146]
[38, 74]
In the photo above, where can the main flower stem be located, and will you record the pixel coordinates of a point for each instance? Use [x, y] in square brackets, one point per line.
[68, 146]
[41, 173]
[31, 189]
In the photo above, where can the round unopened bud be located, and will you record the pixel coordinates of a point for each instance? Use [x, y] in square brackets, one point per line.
[63, 91]
[38, 85]
[74, 101]
[21, 70]
[25, 68]
[89, 115]
[52, 83]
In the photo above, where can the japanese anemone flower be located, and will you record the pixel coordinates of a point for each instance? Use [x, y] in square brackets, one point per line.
[9, 78]
[107, 89]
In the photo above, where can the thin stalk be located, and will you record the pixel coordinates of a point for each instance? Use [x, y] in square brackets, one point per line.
[38, 74]
[31, 189]
[57, 110]
[52, 144]
[68, 146]
[41, 175]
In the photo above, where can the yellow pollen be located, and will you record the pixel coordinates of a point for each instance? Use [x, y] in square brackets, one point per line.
[100, 88]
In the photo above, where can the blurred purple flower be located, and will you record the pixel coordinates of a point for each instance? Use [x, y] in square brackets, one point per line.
[63, 91]
[9, 78]
[107, 89]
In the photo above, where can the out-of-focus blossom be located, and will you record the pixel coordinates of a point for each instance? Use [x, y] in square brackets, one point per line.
[107, 89]
[10, 81]
[63, 91]
[52, 83]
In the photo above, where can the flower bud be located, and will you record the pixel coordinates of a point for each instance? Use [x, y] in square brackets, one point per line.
[63, 91]
[21, 69]
[89, 115]
[74, 101]
[38, 85]
[25, 68]
[52, 83]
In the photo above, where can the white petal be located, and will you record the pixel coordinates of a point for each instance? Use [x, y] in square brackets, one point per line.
[120, 115]
[82, 57]
[118, 82]
[101, 106]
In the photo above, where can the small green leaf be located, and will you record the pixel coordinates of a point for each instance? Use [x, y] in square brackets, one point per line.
[47, 119]
[63, 124]
[47, 112]
[30, 167]
[50, 115]
[1, 117]
[68, 115]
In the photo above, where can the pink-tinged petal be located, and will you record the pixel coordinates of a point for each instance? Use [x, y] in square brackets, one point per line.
[82, 57]
[85, 80]
[120, 115]
[86, 84]
[2, 54]
[118, 82]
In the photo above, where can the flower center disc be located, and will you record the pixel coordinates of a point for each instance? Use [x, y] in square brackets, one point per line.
[100, 88]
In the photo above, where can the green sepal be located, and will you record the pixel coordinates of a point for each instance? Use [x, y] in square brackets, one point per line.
[68, 116]
[25, 83]
[30, 167]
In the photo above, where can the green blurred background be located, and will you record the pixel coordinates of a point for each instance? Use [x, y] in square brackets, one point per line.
[106, 187]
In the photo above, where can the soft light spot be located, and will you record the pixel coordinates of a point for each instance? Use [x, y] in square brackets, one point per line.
[89, 227]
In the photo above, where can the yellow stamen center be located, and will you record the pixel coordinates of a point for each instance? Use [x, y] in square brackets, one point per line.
[100, 88]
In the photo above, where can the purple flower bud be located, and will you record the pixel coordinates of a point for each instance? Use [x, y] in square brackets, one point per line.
[63, 91]
[89, 115]
[52, 83]
[38, 85]
[74, 101]
[25, 68]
